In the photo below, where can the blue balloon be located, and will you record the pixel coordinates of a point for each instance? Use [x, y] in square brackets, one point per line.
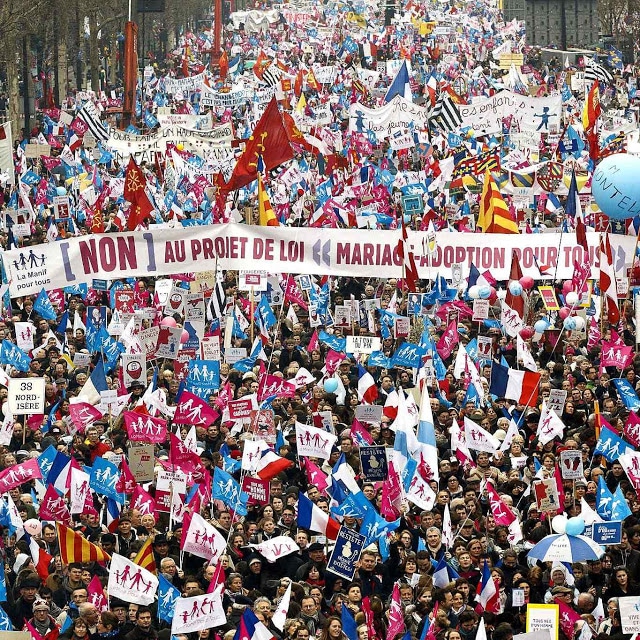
[616, 188]
[330, 385]
[570, 323]
[515, 288]
[61, 191]
[575, 526]
[541, 326]
[484, 291]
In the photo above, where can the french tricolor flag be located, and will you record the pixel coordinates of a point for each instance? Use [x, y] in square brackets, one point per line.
[521, 386]
[487, 593]
[315, 519]
[367, 390]
[271, 464]
[250, 628]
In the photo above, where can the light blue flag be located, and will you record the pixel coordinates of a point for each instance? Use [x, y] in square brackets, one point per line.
[3, 583]
[604, 500]
[43, 306]
[5, 623]
[627, 393]
[619, 506]
[167, 597]
[45, 462]
[611, 445]
[225, 488]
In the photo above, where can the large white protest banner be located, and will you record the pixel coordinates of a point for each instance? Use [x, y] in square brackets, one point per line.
[199, 612]
[130, 582]
[144, 147]
[485, 115]
[336, 252]
[397, 116]
[314, 442]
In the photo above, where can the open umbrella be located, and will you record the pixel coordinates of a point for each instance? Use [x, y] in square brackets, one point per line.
[566, 548]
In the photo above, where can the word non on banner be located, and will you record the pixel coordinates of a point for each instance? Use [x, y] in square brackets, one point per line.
[26, 396]
[337, 252]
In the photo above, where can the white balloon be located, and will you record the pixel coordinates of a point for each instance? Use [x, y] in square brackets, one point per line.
[474, 292]
[580, 323]
[572, 298]
[559, 523]
[33, 527]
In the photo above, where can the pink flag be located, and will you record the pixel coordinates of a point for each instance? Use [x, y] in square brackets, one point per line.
[313, 343]
[53, 507]
[224, 395]
[83, 415]
[396, 617]
[391, 495]
[315, 475]
[194, 411]
[143, 502]
[360, 434]
[631, 430]
[558, 477]
[179, 453]
[448, 340]
[333, 360]
[615, 355]
[274, 386]
[145, 428]
[501, 512]
[127, 482]
[292, 292]
[18, 474]
[568, 618]
[96, 595]
[595, 335]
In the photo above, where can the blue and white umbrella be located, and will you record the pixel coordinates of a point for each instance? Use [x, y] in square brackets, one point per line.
[566, 548]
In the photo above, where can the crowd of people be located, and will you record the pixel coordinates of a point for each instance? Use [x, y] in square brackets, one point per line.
[477, 511]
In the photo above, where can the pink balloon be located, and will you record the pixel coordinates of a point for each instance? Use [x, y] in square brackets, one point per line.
[527, 282]
[168, 321]
[184, 336]
[564, 312]
[494, 295]
[567, 286]
[527, 332]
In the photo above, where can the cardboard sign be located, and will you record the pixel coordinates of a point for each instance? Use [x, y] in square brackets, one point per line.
[374, 463]
[363, 344]
[234, 354]
[210, 348]
[629, 608]
[369, 413]
[546, 493]
[571, 465]
[61, 207]
[346, 553]
[21, 230]
[401, 327]
[252, 281]
[556, 400]
[258, 490]
[26, 396]
[548, 295]
[241, 409]
[169, 481]
[607, 532]
[480, 310]
[141, 462]
[543, 618]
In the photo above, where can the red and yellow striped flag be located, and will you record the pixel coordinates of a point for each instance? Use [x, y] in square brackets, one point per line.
[494, 216]
[75, 548]
[267, 215]
[145, 557]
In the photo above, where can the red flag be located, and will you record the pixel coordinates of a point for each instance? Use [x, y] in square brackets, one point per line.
[607, 282]
[134, 192]
[297, 85]
[410, 271]
[261, 63]
[269, 141]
